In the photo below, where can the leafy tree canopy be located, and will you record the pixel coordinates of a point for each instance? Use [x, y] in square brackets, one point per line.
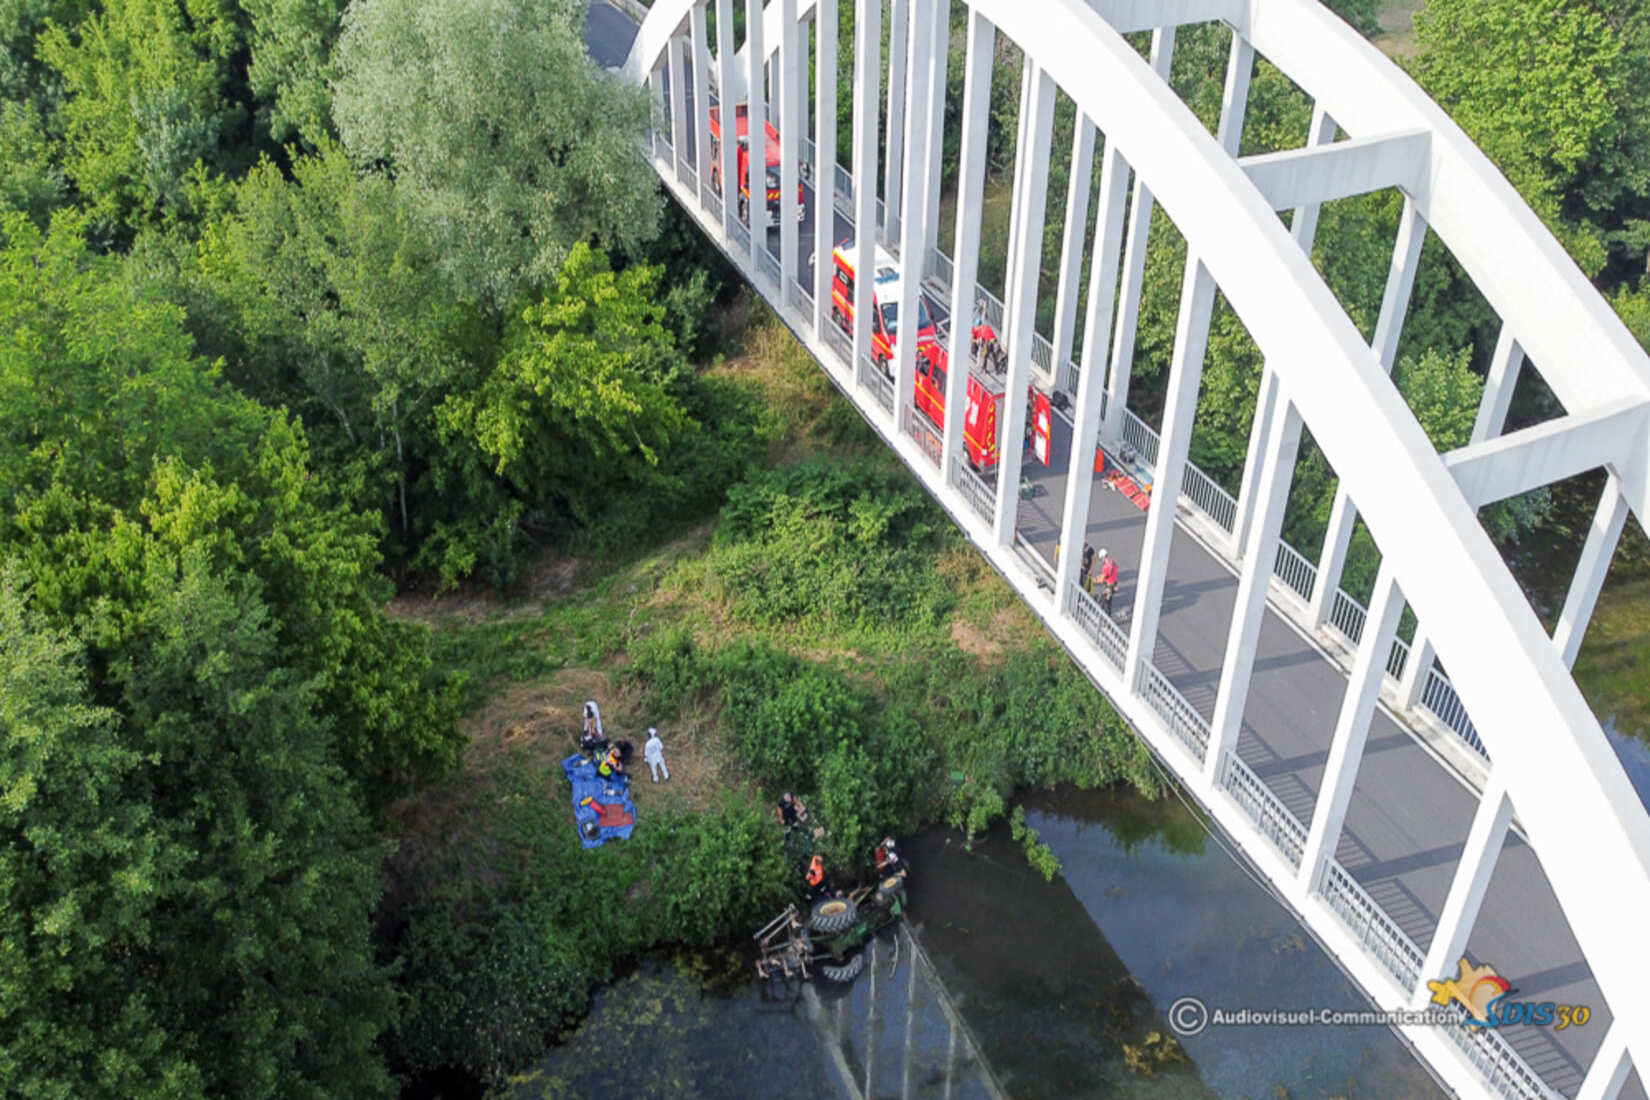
[502, 133]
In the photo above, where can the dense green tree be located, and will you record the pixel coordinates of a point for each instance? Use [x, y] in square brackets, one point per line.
[77, 859]
[339, 309]
[502, 133]
[291, 69]
[98, 393]
[148, 95]
[1555, 92]
[581, 403]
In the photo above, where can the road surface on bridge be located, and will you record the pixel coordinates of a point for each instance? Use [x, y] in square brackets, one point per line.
[1409, 815]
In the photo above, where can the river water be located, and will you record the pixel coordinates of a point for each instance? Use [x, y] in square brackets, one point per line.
[1062, 988]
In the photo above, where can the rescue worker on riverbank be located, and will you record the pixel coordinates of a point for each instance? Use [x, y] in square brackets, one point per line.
[791, 811]
[654, 753]
[887, 859]
[592, 742]
[612, 764]
[816, 878]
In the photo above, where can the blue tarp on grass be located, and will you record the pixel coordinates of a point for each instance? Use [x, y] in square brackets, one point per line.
[609, 804]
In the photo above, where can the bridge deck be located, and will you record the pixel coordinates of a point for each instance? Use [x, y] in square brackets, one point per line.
[1409, 814]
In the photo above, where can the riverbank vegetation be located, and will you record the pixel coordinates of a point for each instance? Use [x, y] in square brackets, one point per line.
[327, 494]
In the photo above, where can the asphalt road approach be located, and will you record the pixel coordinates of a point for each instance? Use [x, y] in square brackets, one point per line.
[1408, 817]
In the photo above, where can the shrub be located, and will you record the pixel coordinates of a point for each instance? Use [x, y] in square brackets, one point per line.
[839, 544]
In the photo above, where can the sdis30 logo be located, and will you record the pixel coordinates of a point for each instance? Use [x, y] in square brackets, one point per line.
[1486, 997]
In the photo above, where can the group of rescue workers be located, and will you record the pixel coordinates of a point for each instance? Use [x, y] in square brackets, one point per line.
[611, 759]
[793, 814]
[1101, 583]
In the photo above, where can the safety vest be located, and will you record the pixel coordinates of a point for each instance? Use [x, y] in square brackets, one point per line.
[816, 872]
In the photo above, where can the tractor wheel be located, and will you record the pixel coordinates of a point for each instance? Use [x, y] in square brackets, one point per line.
[846, 972]
[890, 888]
[832, 915]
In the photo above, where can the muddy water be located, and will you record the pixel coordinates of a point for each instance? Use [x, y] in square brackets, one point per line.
[1064, 986]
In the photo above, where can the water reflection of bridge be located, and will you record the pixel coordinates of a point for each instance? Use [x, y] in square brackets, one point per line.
[895, 1030]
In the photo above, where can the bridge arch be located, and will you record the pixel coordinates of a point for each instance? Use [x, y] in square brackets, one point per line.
[1551, 761]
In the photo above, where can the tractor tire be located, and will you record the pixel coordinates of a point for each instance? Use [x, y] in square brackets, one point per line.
[890, 888]
[832, 915]
[846, 972]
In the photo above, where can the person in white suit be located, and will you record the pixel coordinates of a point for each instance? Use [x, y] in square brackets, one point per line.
[654, 753]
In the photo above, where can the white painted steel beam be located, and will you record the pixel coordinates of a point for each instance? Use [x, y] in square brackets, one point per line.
[1234, 101]
[701, 92]
[1020, 310]
[1406, 258]
[936, 127]
[867, 108]
[1071, 243]
[1493, 403]
[1303, 226]
[756, 90]
[1499, 385]
[1197, 298]
[1085, 435]
[1134, 271]
[1346, 748]
[913, 226]
[1596, 554]
[1322, 173]
[728, 166]
[1610, 1067]
[1549, 452]
[827, 27]
[1467, 889]
[789, 78]
[679, 121]
[1127, 16]
[1277, 462]
[893, 161]
[976, 113]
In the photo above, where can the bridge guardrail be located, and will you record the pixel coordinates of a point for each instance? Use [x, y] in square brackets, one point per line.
[1042, 572]
[1370, 923]
[917, 426]
[1211, 499]
[1085, 610]
[1292, 568]
[980, 496]
[1502, 1066]
[872, 378]
[1180, 716]
[1256, 798]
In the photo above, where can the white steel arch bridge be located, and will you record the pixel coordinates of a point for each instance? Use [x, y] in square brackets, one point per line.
[1533, 761]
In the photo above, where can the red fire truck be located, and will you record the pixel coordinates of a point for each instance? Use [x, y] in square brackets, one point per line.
[885, 296]
[772, 161]
[984, 386]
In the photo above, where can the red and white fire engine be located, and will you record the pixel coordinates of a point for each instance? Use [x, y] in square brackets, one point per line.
[984, 386]
[772, 163]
